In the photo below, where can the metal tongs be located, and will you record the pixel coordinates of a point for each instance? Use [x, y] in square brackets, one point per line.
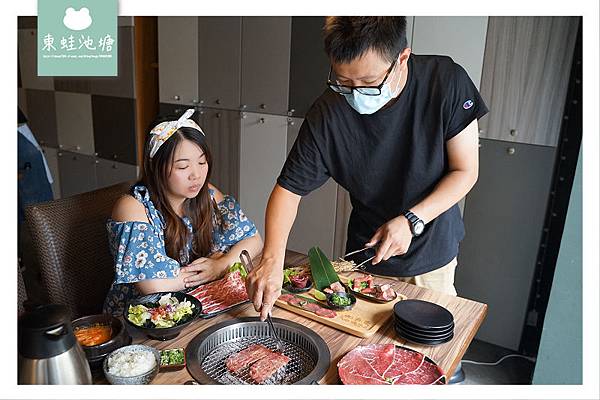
[247, 263]
[362, 265]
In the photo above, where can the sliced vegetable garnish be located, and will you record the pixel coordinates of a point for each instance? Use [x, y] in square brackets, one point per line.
[238, 266]
[319, 295]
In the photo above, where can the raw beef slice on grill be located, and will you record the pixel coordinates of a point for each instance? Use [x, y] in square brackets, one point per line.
[264, 368]
[378, 364]
[242, 359]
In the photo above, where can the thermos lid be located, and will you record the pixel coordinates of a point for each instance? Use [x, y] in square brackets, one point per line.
[45, 317]
[45, 331]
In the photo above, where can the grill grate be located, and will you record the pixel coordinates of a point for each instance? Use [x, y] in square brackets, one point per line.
[308, 355]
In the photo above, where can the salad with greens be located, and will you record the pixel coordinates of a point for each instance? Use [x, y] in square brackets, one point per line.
[168, 312]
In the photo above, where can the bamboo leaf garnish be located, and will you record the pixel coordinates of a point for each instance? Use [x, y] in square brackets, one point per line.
[321, 269]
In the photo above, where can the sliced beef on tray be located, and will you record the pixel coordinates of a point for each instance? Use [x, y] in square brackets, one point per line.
[325, 312]
[378, 364]
[238, 361]
[286, 297]
[221, 294]
[305, 304]
[264, 368]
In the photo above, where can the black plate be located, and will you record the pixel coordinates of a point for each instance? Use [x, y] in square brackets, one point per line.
[293, 289]
[423, 314]
[163, 333]
[429, 342]
[411, 328]
[341, 294]
[421, 335]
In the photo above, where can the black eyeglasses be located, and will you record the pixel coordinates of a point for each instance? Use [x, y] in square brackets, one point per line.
[366, 90]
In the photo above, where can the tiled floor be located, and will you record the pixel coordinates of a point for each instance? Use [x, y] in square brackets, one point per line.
[511, 371]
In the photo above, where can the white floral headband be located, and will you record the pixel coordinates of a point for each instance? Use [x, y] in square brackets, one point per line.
[163, 131]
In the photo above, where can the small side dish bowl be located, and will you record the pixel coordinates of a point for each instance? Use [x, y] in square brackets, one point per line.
[172, 359]
[119, 337]
[131, 356]
[293, 289]
[343, 295]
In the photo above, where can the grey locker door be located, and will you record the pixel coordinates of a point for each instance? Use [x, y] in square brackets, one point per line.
[122, 85]
[110, 172]
[219, 61]
[222, 129]
[266, 64]
[178, 60]
[262, 154]
[504, 217]
[52, 160]
[525, 77]
[74, 85]
[166, 109]
[462, 38]
[77, 173]
[410, 23]
[114, 128]
[41, 116]
[308, 64]
[27, 40]
[315, 221]
[74, 123]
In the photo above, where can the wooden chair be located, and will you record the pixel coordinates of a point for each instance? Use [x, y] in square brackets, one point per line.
[71, 241]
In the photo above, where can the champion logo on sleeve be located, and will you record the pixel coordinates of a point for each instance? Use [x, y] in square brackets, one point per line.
[468, 104]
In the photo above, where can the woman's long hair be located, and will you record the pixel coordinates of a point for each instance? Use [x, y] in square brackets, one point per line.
[200, 209]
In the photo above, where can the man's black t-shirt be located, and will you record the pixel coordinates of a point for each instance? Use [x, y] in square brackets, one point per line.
[391, 159]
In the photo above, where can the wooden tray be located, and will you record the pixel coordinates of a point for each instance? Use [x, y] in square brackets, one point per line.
[363, 320]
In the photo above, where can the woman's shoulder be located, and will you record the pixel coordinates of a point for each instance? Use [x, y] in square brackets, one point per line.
[128, 208]
[216, 193]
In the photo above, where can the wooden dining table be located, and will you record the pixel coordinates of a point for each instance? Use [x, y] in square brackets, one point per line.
[468, 316]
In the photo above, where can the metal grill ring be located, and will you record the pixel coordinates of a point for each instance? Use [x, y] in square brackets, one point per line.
[207, 352]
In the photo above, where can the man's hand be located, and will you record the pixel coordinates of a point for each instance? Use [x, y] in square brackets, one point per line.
[264, 285]
[394, 239]
[203, 270]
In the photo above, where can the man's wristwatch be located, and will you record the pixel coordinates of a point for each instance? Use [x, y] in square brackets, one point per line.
[416, 224]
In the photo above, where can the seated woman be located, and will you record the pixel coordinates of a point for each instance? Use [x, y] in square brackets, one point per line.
[175, 231]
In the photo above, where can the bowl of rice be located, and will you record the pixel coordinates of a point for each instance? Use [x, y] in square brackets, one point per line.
[132, 365]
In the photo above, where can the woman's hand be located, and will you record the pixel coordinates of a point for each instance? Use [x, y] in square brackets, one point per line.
[203, 270]
[394, 239]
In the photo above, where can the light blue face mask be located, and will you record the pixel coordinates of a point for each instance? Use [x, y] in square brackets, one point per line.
[365, 104]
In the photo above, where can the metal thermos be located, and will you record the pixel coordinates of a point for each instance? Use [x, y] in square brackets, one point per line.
[48, 350]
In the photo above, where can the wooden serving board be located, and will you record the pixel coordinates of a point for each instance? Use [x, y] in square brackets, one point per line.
[365, 318]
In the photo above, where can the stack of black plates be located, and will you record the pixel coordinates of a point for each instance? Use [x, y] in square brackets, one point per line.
[423, 322]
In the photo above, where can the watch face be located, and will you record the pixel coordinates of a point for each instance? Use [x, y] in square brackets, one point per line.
[419, 226]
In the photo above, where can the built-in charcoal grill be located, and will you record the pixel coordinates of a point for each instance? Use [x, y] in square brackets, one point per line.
[206, 353]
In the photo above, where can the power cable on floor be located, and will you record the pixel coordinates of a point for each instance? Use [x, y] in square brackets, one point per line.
[491, 364]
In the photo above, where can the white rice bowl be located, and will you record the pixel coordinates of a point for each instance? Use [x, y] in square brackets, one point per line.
[131, 362]
[132, 365]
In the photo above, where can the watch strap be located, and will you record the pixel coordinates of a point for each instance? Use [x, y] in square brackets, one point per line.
[413, 219]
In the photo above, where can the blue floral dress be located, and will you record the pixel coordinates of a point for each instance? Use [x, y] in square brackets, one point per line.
[138, 248]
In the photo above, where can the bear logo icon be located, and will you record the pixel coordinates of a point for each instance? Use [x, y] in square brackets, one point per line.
[77, 20]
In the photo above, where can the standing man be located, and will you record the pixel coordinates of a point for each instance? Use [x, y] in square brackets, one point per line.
[399, 132]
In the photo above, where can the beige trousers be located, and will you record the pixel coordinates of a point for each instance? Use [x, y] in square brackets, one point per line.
[441, 279]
